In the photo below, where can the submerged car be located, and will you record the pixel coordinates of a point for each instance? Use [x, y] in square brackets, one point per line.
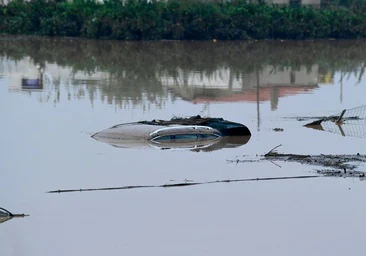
[186, 133]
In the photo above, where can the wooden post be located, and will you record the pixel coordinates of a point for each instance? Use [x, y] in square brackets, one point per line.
[340, 116]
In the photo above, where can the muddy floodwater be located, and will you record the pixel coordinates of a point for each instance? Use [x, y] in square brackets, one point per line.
[56, 93]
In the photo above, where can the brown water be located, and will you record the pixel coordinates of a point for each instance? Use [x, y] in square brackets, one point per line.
[86, 86]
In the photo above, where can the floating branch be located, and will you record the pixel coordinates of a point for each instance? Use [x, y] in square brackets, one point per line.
[273, 150]
[185, 184]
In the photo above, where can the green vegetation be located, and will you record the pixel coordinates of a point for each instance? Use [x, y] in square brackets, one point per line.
[181, 19]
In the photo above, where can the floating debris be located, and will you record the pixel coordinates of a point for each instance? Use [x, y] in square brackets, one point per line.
[339, 165]
[5, 215]
[342, 174]
[348, 162]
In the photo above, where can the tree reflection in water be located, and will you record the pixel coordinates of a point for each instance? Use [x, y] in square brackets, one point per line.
[129, 74]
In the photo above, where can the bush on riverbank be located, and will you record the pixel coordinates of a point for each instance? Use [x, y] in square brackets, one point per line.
[179, 19]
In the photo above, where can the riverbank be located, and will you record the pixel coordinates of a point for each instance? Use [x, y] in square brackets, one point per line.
[181, 20]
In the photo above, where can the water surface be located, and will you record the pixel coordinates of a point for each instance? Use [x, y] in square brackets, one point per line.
[54, 93]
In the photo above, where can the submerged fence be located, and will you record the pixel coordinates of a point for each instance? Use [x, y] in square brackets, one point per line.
[353, 123]
[349, 122]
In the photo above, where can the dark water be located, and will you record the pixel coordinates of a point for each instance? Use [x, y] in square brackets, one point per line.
[54, 93]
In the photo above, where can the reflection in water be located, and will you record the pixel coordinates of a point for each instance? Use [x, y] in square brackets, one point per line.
[196, 146]
[32, 84]
[148, 73]
[3, 219]
[352, 128]
[5, 215]
[223, 86]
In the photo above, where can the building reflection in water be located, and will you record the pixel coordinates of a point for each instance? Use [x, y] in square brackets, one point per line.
[221, 86]
[267, 85]
[23, 75]
[136, 74]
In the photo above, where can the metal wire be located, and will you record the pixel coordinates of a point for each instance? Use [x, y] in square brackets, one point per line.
[353, 123]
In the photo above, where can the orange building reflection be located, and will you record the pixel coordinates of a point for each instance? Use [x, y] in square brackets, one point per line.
[269, 84]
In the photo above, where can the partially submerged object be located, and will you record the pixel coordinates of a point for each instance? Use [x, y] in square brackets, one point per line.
[194, 133]
[5, 215]
[350, 122]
